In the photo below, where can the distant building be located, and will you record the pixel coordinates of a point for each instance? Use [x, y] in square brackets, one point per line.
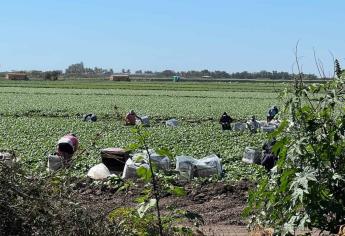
[16, 76]
[206, 76]
[120, 77]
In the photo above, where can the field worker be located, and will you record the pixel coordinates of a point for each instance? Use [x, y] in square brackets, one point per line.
[272, 113]
[67, 146]
[131, 117]
[269, 158]
[225, 120]
[90, 117]
[253, 125]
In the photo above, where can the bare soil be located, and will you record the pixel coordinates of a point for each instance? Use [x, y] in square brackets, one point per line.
[218, 203]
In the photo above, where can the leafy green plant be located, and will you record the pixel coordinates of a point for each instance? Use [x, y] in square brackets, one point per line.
[132, 223]
[305, 190]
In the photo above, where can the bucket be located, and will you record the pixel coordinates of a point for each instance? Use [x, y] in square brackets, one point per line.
[114, 158]
[67, 144]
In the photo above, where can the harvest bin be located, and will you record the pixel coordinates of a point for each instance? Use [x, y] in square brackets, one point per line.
[114, 158]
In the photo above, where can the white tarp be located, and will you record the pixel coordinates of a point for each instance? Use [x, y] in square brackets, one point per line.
[145, 121]
[253, 125]
[262, 123]
[239, 126]
[99, 171]
[190, 167]
[251, 155]
[276, 123]
[171, 123]
[268, 128]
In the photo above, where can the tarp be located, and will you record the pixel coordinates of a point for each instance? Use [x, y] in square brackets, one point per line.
[239, 126]
[268, 128]
[171, 123]
[252, 155]
[145, 121]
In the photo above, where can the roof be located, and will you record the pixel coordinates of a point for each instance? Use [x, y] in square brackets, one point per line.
[120, 75]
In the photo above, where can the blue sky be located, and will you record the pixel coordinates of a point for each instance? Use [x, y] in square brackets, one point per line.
[170, 34]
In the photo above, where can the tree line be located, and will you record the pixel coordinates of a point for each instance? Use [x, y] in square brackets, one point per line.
[274, 75]
[79, 70]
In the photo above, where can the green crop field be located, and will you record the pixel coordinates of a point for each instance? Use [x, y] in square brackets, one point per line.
[35, 114]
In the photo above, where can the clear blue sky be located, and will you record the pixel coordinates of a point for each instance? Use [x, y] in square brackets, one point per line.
[231, 35]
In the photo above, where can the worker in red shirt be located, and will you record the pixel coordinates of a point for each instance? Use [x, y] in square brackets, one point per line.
[131, 117]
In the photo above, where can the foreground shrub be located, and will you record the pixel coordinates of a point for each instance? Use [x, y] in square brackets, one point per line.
[31, 206]
[306, 190]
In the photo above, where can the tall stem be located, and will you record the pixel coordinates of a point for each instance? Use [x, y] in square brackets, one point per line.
[155, 187]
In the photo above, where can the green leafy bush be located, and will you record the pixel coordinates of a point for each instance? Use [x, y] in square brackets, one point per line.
[306, 190]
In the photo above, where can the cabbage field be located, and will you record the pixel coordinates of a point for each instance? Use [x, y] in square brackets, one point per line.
[33, 116]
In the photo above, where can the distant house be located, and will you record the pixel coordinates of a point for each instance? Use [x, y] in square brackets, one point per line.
[16, 76]
[120, 77]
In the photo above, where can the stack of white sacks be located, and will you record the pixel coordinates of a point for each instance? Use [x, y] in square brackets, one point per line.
[188, 167]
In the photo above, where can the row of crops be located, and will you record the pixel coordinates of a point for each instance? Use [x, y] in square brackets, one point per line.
[32, 119]
[144, 85]
[159, 104]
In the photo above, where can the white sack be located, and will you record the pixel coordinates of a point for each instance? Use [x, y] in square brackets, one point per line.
[205, 167]
[239, 126]
[98, 172]
[145, 121]
[171, 123]
[251, 155]
[162, 162]
[55, 162]
[131, 166]
[268, 128]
